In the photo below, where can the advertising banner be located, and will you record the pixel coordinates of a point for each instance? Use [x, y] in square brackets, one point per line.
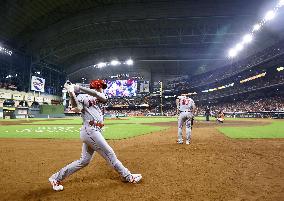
[18, 97]
[5, 95]
[47, 100]
[29, 98]
[39, 99]
[37, 84]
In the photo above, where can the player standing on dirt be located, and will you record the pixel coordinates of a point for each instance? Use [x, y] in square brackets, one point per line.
[186, 110]
[88, 103]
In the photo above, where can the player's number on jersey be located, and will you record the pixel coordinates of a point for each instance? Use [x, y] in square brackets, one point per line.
[184, 101]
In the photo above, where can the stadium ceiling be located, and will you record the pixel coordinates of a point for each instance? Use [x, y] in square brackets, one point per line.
[190, 34]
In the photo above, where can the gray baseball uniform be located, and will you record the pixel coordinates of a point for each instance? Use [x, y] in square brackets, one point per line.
[93, 141]
[185, 106]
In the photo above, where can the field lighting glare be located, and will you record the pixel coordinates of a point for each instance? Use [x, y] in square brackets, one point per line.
[280, 69]
[281, 3]
[256, 27]
[247, 38]
[269, 15]
[101, 65]
[114, 63]
[129, 62]
[232, 53]
[239, 46]
[5, 51]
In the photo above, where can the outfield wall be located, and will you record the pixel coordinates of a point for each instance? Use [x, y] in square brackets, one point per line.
[262, 114]
[51, 109]
[47, 111]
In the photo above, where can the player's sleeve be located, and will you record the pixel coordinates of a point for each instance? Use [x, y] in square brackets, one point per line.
[106, 99]
[92, 92]
[75, 103]
[80, 98]
[177, 102]
[193, 103]
[193, 106]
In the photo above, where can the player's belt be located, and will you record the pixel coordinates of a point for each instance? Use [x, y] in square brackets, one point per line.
[185, 111]
[96, 124]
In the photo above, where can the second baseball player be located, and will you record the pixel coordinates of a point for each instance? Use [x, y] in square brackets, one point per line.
[186, 110]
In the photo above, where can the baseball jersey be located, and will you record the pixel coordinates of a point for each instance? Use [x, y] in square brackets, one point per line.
[91, 109]
[185, 104]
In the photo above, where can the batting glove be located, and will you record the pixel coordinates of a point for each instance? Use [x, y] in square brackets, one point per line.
[69, 87]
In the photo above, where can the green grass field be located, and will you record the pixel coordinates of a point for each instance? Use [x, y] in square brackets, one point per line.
[69, 128]
[127, 127]
[273, 130]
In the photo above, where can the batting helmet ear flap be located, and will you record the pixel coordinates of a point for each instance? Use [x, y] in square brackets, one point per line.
[103, 84]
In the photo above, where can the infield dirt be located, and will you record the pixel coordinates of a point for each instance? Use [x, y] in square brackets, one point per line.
[213, 167]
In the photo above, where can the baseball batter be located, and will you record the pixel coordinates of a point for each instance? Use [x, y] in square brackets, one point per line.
[88, 102]
[186, 109]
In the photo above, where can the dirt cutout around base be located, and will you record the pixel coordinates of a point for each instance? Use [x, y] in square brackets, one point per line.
[212, 167]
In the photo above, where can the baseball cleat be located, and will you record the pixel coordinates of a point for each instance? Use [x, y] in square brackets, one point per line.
[133, 178]
[55, 184]
[187, 142]
[179, 142]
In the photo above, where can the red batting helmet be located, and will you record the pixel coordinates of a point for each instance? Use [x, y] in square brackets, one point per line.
[97, 84]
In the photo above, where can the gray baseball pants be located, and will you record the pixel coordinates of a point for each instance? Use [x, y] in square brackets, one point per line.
[93, 142]
[184, 117]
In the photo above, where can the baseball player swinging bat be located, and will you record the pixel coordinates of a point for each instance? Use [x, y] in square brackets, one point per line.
[88, 102]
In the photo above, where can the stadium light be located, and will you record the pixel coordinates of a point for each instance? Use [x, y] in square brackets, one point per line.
[269, 15]
[5, 51]
[280, 69]
[239, 46]
[129, 62]
[256, 27]
[101, 65]
[232, 53]
[114, 63]
[247, 38]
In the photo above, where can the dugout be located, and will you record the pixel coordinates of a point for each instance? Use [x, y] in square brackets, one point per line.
[23, 104]
[21, 112]
[9, 109]
[35, 104]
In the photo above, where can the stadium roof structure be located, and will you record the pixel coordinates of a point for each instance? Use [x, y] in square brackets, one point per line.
[175, 36]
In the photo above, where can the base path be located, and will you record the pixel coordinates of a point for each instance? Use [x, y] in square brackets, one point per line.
[213, 167]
